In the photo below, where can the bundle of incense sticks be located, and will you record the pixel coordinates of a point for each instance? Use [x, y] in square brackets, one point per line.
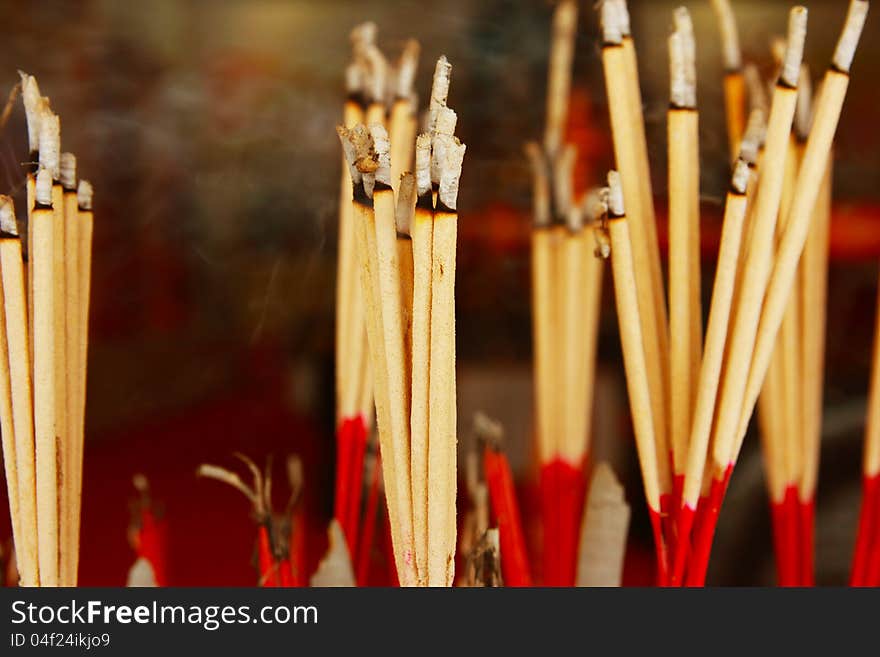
[566, 297]
[866, 561]
[692, 399]
[43, 351]
[280, 552]
[413, 380]
[372, 88]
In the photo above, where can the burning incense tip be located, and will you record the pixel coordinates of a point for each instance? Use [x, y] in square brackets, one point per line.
[753, 138]
[682, 62]
[849, 38]
[33, 101]
[623, 16]
[7, 216]
[50, 142]
[84, 193]
[68, 171]
[450, 170]
[423, 164]
[615, 194]
[43, 192]
[439, 90]
[357, 146]
[377, 72]
[363, 36]
[406, 203]
[794, 51]
[740, 179]
[729, 37]
[612, 22]
[487, 430]
[803, 116]
[406, 69]
[445, 127]
[382, 147]
[593, 205]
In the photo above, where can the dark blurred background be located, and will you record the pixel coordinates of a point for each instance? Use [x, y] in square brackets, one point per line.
[207, 129]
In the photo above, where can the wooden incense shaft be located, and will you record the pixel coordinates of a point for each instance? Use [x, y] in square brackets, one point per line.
[391, 308]
[422, 249]
[45, 391]
[557, 402]
[349, 331]
[442, 437]
[772, 427]
[734, 109]
[716, 339]
[73, 379]
[654, 330]
[591, 291]
[402, 135]
[788, 341]
[685, 316]
[559, 74]
[814, 291]
[542, 332]
[17, 338]
[634, 356]
[809, 182]
[646, 194]
[871, 461]
[406, 268]
[573, 433]
[84, 265]
[754, 274]
[10, 459]
[365, 234]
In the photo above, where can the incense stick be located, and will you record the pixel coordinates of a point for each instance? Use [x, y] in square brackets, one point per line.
[448, 155]
[422, 246]
[41, 260]
[559, 74]
[685, 316]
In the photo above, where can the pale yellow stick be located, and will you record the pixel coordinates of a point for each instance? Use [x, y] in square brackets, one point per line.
[42, 262]
[647, 219]
[591, 293]
[716, 332]
[809, 182]
[814, 288]
[349, 331]
[14, 489]
[685, 317]
[73, 379]
[559, 74]
[871, 459]
[448, 155]
[17, 335]
[422, 245]
[757, 262]
[633, 352]
[573, 434]
[772, 429]
[789, 342]
[84, 258]
[627, 154]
